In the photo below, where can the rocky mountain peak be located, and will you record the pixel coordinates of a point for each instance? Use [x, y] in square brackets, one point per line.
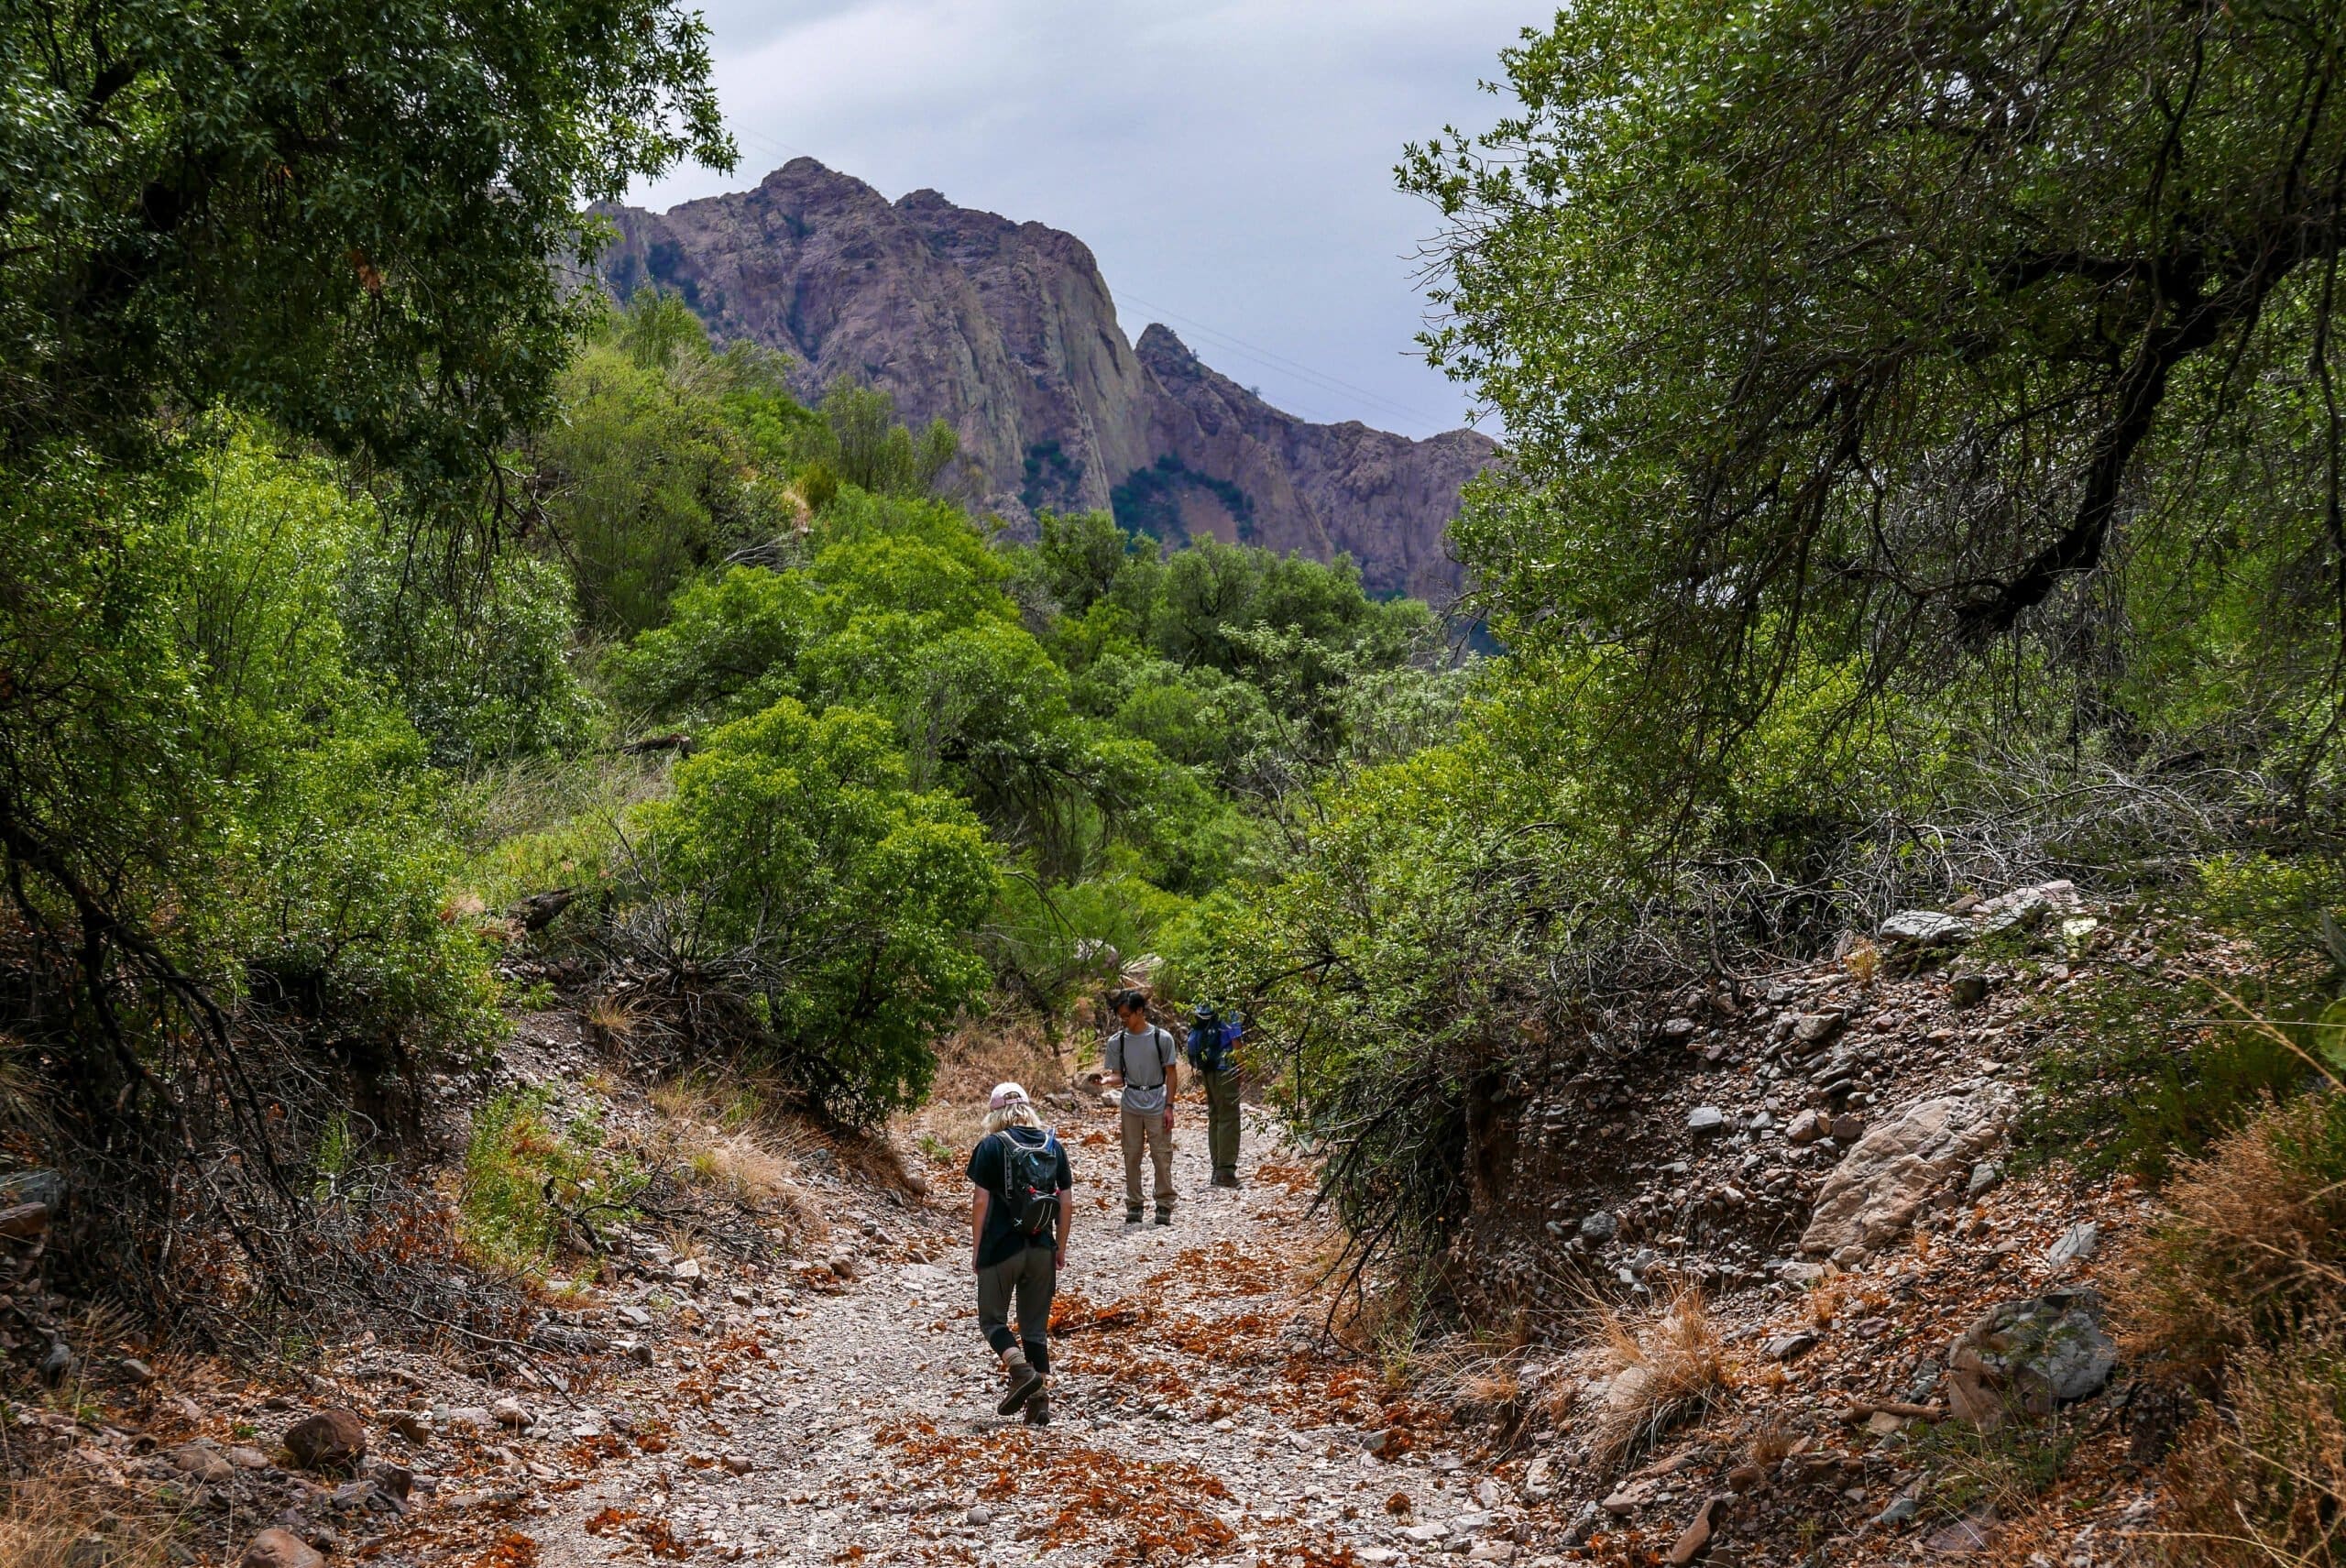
[1008, 332]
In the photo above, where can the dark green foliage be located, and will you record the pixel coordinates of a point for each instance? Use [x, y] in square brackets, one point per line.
[1048, 477]
[203, 202]
[797, 867]
[1835, 332]
[1149, 500]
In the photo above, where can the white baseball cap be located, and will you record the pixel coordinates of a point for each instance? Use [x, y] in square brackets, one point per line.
[1006, 1094]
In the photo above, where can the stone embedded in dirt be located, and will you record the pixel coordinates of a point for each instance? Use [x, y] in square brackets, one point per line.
[1426, 1533]
[412, 1425]
[688, 1271]
[979, 1514]
[1677, 1029]
[1849, 1127]
[2077, 1243]
[2031, 1355]
[509, 1414]
[56, 1362]
[1984, 1175]
[22, 1222]
[2026, 906]
[1791, 1346]
[396, 1479]
[201, 1462]
[1695, 1537]
[1925, 928]
[280, 1549]
[1873, 1194]
[330, 1440]
[1626, 1500]
[1807, 1127]
[136, 1370]
[738, 1463]
[248, 1459]
[1815, 1029]
[633, 1317]
[1491, 1552]
[1600, 1226]
[1706, 1120]
[1746, 1478]
[1967, 989]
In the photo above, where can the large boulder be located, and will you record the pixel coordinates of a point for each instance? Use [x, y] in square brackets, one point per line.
[330, 1440]
[280, 1549]
[1871, 1196]
[2029, 1356]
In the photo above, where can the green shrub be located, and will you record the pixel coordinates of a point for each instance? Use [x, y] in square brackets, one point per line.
[532, 1182]
[795, 860]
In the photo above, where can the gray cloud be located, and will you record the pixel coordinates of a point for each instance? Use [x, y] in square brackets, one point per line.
[1231, 164]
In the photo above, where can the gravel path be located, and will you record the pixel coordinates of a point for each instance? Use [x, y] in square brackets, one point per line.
[1193, 1419]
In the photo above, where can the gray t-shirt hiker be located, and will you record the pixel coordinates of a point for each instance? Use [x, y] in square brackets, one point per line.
[1141, 1060]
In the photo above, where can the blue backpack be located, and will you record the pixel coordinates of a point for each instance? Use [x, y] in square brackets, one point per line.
[1213, 1041]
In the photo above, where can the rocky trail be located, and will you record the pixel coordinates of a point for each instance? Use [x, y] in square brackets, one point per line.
[1192, 1416]
[1820, 1173]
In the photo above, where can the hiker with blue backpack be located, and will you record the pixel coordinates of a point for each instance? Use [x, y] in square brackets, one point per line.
[1213, 1056]
[1019, 1213]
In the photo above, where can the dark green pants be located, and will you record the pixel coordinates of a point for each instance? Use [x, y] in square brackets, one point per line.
[1222, 1121]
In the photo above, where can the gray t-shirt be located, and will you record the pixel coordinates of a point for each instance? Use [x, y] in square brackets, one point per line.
[1141, 1060]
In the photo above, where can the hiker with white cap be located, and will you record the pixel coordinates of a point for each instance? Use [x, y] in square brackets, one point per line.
[1019, 1213]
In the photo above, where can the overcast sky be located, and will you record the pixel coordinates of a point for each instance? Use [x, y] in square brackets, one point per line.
[1230, 164]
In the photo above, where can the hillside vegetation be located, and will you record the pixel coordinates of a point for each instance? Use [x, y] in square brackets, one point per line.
[1926, 477]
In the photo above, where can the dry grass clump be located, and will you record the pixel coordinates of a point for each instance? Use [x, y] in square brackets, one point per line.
[721, 1139]
[1863, 961]
[2262, 1480]
[45, 1523]
[1825, 1303]
[2252, 1250]
[1771, 1443]
[1666, 1368]
[2240, 1293]
[974, 1060]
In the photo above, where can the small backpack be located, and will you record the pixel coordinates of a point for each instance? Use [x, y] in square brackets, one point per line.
[1213, 1040]
[1030, 1182]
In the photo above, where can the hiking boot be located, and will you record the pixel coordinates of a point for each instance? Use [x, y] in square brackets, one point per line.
[1228, 1179]
[1165, 1216]
[1131, 1216]
[1025, 1381]
[1039, 1409]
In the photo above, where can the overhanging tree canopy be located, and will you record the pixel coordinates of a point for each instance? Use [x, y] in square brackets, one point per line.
[1823, 328]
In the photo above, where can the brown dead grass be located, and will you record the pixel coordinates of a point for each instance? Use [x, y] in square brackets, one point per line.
[42, 1520]
[974, 1059]
[2253, 1249]
[2262, 1481]
[1668, 1365]
[2239, 1292]
[721, 1137]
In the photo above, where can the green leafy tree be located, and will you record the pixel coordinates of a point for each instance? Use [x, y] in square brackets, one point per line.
[796, 860]
[1828, 331]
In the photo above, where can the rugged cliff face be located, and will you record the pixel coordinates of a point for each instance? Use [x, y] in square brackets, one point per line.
[1006, 331]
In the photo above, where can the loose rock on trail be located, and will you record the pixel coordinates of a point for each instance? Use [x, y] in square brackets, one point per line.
[1195, 1416]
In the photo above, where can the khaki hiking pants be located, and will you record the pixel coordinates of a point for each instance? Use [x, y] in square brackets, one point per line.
[1222, 1121]
[1136, 1127]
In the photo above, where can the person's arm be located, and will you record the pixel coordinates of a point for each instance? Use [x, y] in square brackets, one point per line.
[1067, 1219]
[978, 1200]
[1172, 1077]
[1111, 1057]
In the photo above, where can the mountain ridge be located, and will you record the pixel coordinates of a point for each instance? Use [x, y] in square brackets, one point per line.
[1008, 332]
